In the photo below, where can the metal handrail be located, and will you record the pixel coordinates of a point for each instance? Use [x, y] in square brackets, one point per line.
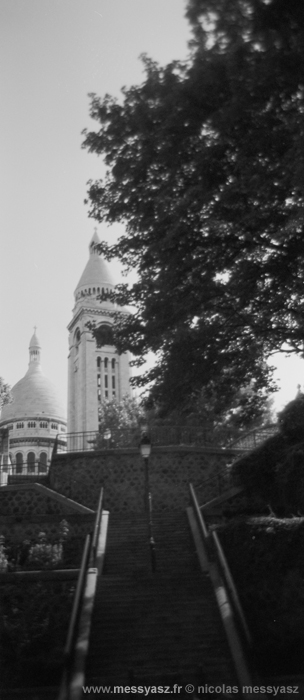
[255, 437]
[231, 586]
[69, 645]
[199, 514]
[33, 470]
[221, 478]
[161, 435]
[96, 529]
[224, 600]
[88, 561]
[224, 567]
[151, 537]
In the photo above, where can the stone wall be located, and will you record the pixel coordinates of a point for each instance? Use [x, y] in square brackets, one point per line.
[121, 472]
[22, 500]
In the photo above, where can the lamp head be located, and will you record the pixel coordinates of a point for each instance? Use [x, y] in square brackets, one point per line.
[145, 446]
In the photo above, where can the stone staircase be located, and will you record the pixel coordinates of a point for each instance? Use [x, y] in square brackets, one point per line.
[155, 628]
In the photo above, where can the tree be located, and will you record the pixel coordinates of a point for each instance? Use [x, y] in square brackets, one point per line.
[206, 170]
[121, 421]
[272, 474]
[5, 393]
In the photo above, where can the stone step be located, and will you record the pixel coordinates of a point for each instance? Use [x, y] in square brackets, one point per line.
[148, 624]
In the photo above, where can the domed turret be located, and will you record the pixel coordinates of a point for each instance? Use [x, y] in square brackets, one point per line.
[96, 277]
[34, 395]
[34, 417]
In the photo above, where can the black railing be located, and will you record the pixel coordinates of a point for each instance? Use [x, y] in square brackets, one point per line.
[25, 470]
[89, 560]
[229, 605]
[130, 437]
[250, 440]
[74, 620]
[163, 435]
[96, 530]
[217, 483]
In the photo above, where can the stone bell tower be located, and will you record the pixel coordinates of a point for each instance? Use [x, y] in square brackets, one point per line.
[95, 370]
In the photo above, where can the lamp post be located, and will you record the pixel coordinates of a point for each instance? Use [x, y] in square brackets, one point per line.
[145, 451]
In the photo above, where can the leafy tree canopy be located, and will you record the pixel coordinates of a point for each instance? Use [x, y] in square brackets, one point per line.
[206, 170]
[119, 421]
[5, 393]
[272, 474]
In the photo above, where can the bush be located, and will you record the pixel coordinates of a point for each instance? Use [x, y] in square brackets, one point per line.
[266, 557]
[291, 419]
[34, 621]
[273, 473]
[38, 553]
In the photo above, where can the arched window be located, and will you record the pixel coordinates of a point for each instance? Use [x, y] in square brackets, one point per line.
[106, 378]
[77, 339]
[31, 424]
[104, 335]
[113, 380]
[31, 462]
[19, 462]
[98, 362]
[43, 462]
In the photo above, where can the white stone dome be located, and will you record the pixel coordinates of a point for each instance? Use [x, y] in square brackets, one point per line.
[34, 395]
[96, 273]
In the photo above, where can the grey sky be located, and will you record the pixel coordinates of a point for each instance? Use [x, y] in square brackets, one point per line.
[52, 54]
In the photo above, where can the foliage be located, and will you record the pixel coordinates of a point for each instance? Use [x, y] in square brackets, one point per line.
[123, 420]
[5, 393]
[39, 553]
[34, 621]
[44, 555]
[3, 557]
[205, 413]
[273, 473]
[202, 414]
[291, 418]
[206, 169]
[34, 617]
[267, 563]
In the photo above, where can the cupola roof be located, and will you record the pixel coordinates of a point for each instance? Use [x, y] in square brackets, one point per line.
[96, 272]
[34, 395]
[34, 342]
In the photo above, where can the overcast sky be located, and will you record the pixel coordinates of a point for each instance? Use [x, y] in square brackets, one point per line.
[52, 54]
